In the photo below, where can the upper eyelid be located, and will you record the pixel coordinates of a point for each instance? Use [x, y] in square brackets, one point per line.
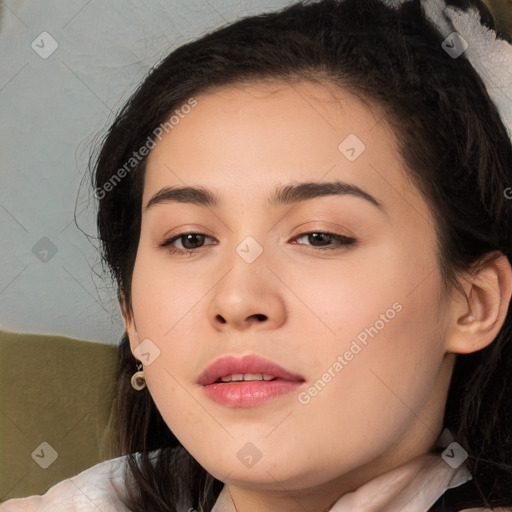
[303, 233]
[173, 238]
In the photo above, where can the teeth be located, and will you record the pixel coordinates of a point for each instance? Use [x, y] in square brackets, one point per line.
[237, 377]
[253, 376]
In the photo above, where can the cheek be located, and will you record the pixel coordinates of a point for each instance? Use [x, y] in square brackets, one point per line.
[166, 298]
[387, 328]
[167, 307]
[390, 359]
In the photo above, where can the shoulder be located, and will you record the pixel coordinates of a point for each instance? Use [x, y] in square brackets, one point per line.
[92, 489]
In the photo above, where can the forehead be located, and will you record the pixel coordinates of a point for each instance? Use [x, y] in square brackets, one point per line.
[246, 139]
[270, 104]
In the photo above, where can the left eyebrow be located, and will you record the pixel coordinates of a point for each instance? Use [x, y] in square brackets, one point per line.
[290, 194]
[287, 194]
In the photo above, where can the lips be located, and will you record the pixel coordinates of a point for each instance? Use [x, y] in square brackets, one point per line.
[247, 381]
[249, 364]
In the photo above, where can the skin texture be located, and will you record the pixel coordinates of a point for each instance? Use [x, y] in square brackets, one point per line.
[297, 304]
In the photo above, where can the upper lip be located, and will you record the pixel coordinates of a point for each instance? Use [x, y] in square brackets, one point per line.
[230, 365]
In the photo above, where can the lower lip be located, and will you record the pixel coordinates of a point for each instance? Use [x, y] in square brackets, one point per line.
[249, 393]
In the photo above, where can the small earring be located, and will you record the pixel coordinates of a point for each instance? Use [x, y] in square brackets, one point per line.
[138, 380]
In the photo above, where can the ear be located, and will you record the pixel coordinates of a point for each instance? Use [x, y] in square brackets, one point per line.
[129, 321]
[476, 320]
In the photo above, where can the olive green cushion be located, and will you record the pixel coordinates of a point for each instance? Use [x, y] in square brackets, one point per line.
[53, 390]
[502, 11]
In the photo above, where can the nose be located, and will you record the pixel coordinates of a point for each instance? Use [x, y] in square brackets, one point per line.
[248, 296]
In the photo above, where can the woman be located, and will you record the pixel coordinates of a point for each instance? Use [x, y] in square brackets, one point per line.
[340, 336]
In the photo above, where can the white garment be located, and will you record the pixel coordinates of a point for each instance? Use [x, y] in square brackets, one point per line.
[413, 487]
[89, 491]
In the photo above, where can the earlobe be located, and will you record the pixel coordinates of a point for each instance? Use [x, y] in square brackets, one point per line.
[477, 320]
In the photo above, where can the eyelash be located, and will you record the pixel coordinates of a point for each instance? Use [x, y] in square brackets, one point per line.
[344, 241]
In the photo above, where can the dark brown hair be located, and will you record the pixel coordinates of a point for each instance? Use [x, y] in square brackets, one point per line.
[457, 152]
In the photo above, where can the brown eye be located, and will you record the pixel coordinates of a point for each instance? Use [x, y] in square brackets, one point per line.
[190, 242]
[322, 237]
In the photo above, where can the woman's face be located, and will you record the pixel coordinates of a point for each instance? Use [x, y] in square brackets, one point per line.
[362, 323]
